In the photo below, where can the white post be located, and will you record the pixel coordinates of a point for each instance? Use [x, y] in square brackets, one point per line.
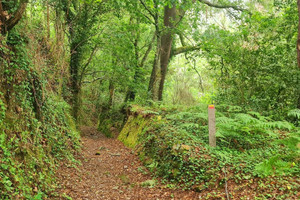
[212, 125]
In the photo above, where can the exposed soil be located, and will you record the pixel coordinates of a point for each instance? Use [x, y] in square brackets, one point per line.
[110, 170]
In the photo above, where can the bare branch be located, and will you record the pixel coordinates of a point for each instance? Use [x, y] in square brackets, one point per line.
[210, 4]
[183, 43]
[148, 51]
[149, 11]
[87, 39]
[95, 49]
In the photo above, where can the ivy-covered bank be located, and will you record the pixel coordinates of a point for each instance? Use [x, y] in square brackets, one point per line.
[255, 156]
[36, 129]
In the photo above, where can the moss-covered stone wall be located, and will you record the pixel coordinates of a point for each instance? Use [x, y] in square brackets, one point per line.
[138, 121]
[132, 129]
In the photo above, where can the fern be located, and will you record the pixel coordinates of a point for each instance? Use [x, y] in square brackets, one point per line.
[259, 116]
[281, 125]
[246, 119]
[294, 113]
[224, 120]
[273, 165]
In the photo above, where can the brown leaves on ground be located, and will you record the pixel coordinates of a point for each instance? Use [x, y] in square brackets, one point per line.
[109, 170]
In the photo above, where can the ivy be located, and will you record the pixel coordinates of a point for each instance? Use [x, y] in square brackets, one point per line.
[249, 145]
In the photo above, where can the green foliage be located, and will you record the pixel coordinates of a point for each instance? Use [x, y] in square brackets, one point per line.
[175, 147]
[250, 71]
[2, 109]
[110, 119]
[294, 113]
[275, 165]
[245, 63]
[294, 116]
[36, 129]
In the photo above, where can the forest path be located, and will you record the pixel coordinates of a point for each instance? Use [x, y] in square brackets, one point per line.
[110, 170]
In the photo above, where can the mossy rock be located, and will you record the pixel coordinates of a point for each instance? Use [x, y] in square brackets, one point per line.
[133, 129]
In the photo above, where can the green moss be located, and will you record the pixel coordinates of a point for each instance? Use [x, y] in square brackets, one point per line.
[104, 127]
[30, 149]
[132, 129]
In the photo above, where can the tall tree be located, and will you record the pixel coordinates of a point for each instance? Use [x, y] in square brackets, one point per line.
[166, 45]
[298, 41]
[298, 45]
[81, 17]
[172, 17]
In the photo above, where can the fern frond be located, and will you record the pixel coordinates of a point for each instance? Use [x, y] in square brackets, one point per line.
[281, 125]
[224, 120]
[258, 116]
[294, 113]
[247, 119]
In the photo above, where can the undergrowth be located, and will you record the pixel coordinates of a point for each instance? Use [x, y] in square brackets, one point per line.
[36, 129]
[250, 148]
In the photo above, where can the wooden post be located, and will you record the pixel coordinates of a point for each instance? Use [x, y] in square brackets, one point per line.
[212, 125]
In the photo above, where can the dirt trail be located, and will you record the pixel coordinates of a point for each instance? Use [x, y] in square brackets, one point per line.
[114, 174]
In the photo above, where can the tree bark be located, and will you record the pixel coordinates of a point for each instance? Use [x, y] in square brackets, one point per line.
[298, 46]
[111, 94]
[48, 20]
[298, 41]
[74, 72]
[131, 93]
[223, 6]
[7, 20]
[166, 45]
[153, 77]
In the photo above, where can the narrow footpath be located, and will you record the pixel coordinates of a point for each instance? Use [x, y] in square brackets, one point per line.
[109, 170]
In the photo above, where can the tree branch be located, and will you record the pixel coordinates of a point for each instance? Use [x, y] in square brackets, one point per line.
[183, 43]
[149, 11]
[185, 49]
[148, 51]
[94, 51]
[210, 4]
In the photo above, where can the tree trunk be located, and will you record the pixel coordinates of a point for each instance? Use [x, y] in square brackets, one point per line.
[74, 72]
[298, 41]
[48, 20]
[298, 47]
[152, 82]
[131, 93]
[111, 94]
[166, 45]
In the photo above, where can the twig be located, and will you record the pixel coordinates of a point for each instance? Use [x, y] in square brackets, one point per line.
[116, 154]
[226, 185]
[149, 11]
[234, 7]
